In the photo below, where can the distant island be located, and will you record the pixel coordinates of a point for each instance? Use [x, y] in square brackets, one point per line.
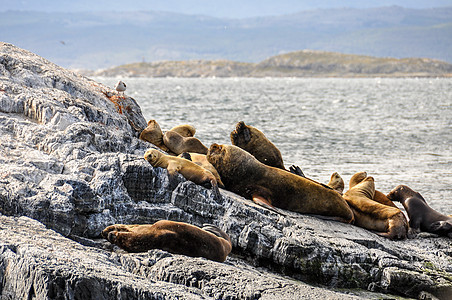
[304, 63]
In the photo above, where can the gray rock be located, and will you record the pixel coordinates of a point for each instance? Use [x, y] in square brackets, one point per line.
[36, 262]
[72, 161]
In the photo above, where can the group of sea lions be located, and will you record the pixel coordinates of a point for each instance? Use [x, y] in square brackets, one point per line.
[253, 167]
[175, 141]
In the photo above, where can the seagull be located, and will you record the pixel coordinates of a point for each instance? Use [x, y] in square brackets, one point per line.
[120, 87]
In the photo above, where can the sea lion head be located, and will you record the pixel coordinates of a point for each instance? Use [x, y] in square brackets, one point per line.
[402, 192]
[153, 156]
[216, 154]
[336, 183]
[357, 178]
[184, 130]
[366, 187]
[230, 161]
[153, 123]
[152, 133]
[241, 135]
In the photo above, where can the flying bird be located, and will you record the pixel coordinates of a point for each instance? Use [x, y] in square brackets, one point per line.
[120, 87]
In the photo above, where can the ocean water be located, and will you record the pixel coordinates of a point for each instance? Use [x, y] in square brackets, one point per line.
[397, 130]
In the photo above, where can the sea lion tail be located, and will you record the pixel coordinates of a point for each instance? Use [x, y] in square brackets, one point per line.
[217, 231]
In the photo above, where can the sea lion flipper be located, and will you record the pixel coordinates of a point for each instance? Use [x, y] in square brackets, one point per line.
[442, 226]
[118, 228]
[118, 238]
[412, 233]
[262, 201]
[186, 155]
[173, 168]
[215, 230]
[296, 170]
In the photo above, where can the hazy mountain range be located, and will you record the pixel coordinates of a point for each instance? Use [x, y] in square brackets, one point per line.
[236, 9]
[93, 40]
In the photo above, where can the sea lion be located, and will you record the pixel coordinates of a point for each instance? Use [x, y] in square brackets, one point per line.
[184, 130]
[201, 160]
[386, 221]
[255, 142]
[188, 169]
[336, 183]
[175, 237]
[243, 174]
[378, 196]
[154, 135]
[178, 144]
[422, 216]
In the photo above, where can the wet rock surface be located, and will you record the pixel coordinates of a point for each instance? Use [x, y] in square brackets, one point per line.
[72, 165]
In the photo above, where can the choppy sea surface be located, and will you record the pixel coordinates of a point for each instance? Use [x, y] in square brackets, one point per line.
[398, 130]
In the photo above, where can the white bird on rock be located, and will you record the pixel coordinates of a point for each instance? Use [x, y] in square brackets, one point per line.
[120, 87]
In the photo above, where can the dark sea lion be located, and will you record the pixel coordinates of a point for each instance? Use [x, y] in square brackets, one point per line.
[386, 221]
[178, 144]
[184, 130]
[378, 196]
[188, 169]
[422, 216]
[336, 183]
[201, 160]
[154, 135]
[243, 174]
[174, 237]
[255, 142]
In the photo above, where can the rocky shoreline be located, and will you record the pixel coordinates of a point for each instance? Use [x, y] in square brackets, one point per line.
[72, 165]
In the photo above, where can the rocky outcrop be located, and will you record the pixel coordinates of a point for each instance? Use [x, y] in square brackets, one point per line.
[72, 164]
[306, 63]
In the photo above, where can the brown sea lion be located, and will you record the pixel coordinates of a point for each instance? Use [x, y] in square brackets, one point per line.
[175, 237]
[154, 135]
[255, 142]
[422, 216]
[184, 130]
[243, 174]
[386, 221]
[378, 196]
[201, 160]
[336, 183]
[188, 169]
[179, 144]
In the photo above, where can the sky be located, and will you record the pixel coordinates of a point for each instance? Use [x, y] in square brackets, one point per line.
[215, 8]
